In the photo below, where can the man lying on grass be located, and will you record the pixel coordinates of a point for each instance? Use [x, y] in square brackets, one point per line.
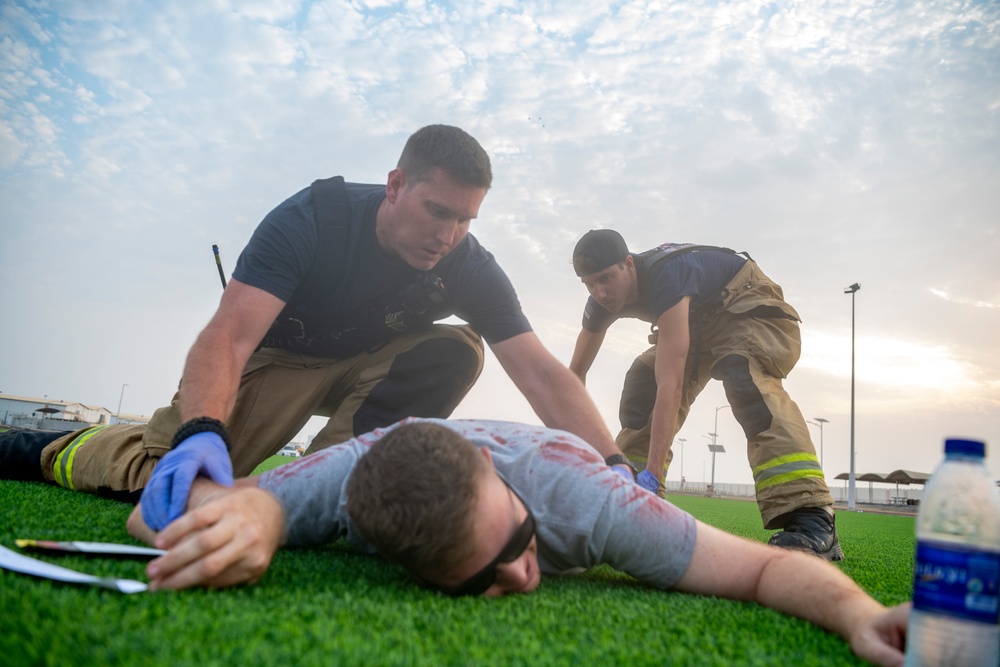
[478, 507]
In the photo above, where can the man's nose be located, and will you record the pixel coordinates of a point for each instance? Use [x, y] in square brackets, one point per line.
[446, 232]
[513, 576]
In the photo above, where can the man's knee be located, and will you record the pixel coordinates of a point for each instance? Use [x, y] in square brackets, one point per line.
[743, 395]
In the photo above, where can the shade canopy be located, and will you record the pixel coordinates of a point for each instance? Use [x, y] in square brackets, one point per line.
[908, 477]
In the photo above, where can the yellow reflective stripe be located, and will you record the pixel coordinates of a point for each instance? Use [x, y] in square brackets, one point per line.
[787, 477]
[782, 460]
[64, 461]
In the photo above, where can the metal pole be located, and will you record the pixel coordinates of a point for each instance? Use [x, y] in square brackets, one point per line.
[851, 488]
[713, 464]
[120, 397]
[682, 441]
[715, 434]
[819, 421]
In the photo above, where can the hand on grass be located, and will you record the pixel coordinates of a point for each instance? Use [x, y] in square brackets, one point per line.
[228, 539]
[881, 638]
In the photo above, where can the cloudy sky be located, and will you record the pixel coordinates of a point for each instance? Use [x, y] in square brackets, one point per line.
[837, 142]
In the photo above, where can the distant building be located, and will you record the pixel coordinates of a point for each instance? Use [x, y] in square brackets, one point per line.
[41, 413]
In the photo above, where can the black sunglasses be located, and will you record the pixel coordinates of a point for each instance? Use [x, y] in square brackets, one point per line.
[480, 582]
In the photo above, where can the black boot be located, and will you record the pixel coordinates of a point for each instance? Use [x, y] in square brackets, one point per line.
[810, 529]
[21, 453]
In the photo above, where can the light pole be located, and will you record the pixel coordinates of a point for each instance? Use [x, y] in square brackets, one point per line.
[682, 441]
[819, 421]
[714, 448]
[850, 485]
[716, 429]
[120, 397]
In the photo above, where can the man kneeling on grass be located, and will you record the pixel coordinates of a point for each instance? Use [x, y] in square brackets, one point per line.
[479, 507]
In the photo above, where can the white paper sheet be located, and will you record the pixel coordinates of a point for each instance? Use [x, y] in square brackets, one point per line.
[15, 562]
[94, 548]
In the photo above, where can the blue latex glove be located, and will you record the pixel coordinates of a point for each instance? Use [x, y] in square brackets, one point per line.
[165, 496]
[624, 471]
[648, 481]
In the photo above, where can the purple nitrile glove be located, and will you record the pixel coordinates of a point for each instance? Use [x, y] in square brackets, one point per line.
[165, 496]
[648, 481]
[624, 471]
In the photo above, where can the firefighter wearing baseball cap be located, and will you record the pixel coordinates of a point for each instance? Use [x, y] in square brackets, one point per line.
[713, 314]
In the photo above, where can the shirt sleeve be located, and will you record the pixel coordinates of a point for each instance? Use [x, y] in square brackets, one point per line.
[589, 515]
[282, 248]
[644, 535]
[596, 318]
[484, 295]
[313, 494]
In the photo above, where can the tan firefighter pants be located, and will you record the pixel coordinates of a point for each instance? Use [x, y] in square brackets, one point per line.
[424, 374]
[750, 343]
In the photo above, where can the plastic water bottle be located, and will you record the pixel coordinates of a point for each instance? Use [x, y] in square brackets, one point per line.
[956, 582]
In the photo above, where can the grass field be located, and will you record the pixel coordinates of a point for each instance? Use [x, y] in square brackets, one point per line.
[332, 606]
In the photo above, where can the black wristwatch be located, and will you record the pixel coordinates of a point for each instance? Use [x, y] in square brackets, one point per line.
[622, 460]
[201, 425]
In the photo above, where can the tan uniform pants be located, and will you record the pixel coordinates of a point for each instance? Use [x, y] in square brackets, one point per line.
[750, 343]
[424, 374]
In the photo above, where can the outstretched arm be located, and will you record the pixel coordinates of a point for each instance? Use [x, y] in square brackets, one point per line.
[216, 360]
[798, 584]
[672, 344]
[208, 390]
[588, 344]
[228, 536]
[556, 395]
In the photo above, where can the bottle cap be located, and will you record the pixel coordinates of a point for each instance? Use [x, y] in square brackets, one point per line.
[965, 447]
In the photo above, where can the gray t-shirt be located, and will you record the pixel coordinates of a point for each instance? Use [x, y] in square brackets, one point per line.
[586, 513]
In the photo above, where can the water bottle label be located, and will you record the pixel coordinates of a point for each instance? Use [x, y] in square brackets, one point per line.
[958, 581]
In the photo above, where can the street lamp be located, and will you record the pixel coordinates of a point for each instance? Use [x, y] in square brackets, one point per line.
[682, 441]
[714, 448]
[120, 397]
[851, 487]
[819, 421]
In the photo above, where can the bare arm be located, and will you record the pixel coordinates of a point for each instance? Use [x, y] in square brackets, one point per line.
[672, 345]
[588, 344]
[227, 537]
[798, 584]
[555, 394]
[216, 360]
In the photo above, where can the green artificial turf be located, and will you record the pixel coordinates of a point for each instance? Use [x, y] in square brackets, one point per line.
[332, 606]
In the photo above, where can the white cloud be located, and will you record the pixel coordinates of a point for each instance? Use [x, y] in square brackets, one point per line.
[842, 141]
[961, 300]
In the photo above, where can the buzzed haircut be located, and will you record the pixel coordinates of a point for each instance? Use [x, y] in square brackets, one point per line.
[448, 148]
[413, 497]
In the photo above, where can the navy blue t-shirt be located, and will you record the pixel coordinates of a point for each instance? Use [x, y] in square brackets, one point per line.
[285, 250]
[664, 281]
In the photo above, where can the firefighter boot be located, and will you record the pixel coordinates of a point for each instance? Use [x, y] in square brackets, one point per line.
[810, 529]
[21, 453]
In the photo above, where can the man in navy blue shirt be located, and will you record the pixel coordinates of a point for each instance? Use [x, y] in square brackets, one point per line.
[332, 311]
[713, 314]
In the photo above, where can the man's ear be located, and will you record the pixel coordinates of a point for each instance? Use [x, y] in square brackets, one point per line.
[395, 184]
[485, 451]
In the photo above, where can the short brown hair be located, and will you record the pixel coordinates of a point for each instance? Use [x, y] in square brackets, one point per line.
[413, 496]
[448, 148]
